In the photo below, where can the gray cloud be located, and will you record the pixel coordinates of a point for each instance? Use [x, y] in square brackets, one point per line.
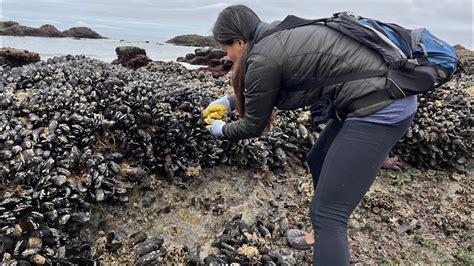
[449, 19]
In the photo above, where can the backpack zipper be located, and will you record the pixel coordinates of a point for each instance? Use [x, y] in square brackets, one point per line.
[398, 87]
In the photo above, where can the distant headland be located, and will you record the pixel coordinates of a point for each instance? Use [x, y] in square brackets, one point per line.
[13, 28]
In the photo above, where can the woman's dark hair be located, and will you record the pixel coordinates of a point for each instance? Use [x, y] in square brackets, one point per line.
[238, 22]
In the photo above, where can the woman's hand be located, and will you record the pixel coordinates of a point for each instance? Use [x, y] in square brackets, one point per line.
[215, 127]
[217, 109]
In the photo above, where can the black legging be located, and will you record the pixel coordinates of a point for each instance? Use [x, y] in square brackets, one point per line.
[344, 163]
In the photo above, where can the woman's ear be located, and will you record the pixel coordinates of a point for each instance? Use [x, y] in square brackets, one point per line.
[240, 43]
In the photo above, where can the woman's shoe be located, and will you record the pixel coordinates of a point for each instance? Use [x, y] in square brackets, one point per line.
[295, 238]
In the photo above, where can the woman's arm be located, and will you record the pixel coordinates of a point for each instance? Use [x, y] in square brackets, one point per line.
[262, 82]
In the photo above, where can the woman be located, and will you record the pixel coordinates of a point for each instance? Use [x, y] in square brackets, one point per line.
[350, 151]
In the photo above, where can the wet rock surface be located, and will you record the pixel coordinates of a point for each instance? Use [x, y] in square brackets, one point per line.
[131, 57]
[97, 160]
[13, 57]
[227, 216]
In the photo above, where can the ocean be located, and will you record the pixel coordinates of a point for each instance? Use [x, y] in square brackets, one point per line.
[102, 49]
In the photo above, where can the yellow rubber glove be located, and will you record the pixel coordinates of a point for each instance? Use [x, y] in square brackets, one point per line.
[211, 116]
[214, 111]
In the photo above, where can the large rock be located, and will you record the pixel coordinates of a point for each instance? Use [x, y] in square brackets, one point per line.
[199, 60]
[202, 51]
[82, 32]
[190, 56]
[216, 54]
[15, 29]
[139, 61]
[193, 40]
[50, 31]
[131, 56]
[17, 57]
[204, 56]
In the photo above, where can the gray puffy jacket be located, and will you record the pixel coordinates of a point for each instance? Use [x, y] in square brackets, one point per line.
[286, 58]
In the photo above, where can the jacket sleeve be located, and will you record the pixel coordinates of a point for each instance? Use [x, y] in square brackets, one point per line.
[262, 83]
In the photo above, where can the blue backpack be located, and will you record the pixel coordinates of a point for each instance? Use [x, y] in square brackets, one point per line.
[417, 60]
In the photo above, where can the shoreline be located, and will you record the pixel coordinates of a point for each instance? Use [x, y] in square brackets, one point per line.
[101, 49]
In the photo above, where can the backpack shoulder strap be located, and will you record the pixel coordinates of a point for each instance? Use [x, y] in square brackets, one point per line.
[289, 22]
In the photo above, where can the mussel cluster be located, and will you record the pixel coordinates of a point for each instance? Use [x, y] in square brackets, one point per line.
[75, 131]
[252, 244]
[441, 133]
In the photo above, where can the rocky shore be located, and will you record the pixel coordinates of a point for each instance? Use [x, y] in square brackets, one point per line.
[101, 163]
[217, 61]
[15, 29]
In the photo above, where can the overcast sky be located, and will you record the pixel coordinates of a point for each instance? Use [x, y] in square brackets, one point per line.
[162, 19]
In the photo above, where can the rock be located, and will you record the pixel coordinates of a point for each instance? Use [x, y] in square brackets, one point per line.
[226, 63]
[15, 29]
[202, 51]
[131, 56]
[126, 53]
[50, 31]
[214, 62]
[216, 54]
[216, 72]
[139, 61]
[199, 60]
[189, 56]
[17, 57]
[217, 60]
[82, 32]
[193, 40]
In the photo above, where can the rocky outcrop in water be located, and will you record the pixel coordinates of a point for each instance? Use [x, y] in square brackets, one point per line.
[48, 30]
[193, 40]
[217, 60]
[15, 29]
[82, 32]
[17, 57]
[131, 57]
